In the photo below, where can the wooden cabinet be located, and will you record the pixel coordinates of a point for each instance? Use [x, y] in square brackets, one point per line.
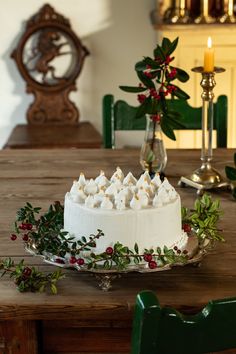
[189, 53]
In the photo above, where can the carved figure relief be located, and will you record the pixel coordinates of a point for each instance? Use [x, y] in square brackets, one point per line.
[50, 57]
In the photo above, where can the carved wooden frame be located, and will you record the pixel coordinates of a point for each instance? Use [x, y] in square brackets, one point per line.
[52, 104]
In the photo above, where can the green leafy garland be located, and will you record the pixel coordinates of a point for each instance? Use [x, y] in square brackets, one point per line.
[46, 235]
[156, 76]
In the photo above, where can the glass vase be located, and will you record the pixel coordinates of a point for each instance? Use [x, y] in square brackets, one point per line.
[153, 157]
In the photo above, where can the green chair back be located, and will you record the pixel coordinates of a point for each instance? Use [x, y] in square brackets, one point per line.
[159, 330]
[120, 115]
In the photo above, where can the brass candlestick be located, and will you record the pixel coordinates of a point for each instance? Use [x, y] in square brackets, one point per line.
[177, 13]
[229, 17]
[206, 177]
[205, 16]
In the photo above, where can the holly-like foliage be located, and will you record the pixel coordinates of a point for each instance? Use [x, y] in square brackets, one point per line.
[45, 232]
[156, 76]
[204, 218]
[29, 278]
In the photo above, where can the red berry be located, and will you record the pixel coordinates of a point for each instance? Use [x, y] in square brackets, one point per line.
[185, 252]
[109, 250]
[28, 226]
[175, 248]
[168, 59]
[80, 261]
[156, 118]
[147, 257]
[178, 251]
[25, 237]
[73, 260]
[152, 265]
[141, 98]
[186, 227]
[27, 272]
[13, 237]
[23, 226]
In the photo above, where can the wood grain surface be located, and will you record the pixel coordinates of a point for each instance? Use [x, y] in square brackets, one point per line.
[81, 309]
[39, 136]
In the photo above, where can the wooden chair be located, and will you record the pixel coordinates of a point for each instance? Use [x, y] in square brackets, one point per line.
[166, 331]
[120, 115]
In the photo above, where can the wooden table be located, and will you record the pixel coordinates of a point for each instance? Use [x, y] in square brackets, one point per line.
[82, 318]
[28, 136]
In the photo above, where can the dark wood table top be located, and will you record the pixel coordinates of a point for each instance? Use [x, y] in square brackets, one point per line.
[43, 176]
[42, 136]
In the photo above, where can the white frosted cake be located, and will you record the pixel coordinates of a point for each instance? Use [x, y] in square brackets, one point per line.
[127, 210]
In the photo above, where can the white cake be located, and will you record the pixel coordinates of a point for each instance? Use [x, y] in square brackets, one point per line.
[129, 211]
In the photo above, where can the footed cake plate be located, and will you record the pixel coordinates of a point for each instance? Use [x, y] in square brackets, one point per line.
[44, 236]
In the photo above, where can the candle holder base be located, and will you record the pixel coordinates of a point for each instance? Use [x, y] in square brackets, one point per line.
[226, 18]
[204, 19]
[204, 178]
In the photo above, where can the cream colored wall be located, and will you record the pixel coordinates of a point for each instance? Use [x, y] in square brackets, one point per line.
[116, 32]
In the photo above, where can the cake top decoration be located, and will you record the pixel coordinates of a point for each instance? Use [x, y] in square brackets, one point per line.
[122, 192]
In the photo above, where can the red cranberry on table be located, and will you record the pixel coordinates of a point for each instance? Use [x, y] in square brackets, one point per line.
[27, 272]
[25, 237]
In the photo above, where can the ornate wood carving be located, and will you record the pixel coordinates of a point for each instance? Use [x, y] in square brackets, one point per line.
[50, 57]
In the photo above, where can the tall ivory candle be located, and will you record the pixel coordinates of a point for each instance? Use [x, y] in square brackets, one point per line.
[209, 57]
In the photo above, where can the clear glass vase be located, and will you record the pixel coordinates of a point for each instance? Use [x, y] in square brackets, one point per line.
[153, 157]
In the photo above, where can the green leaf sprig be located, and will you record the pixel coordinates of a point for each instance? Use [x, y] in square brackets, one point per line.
[204, 218]
[29, 278]
[156, 76]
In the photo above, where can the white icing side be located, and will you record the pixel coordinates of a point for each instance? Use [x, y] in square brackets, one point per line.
[149, 227]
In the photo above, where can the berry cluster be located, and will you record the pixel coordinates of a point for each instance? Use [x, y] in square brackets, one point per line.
[149, 259]
[74, 260]
[23, 227]
[156, 75]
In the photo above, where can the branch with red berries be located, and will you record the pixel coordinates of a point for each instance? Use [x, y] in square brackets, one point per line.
[156, 76]
[120, 257]
[29, 278]
[45, 233]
